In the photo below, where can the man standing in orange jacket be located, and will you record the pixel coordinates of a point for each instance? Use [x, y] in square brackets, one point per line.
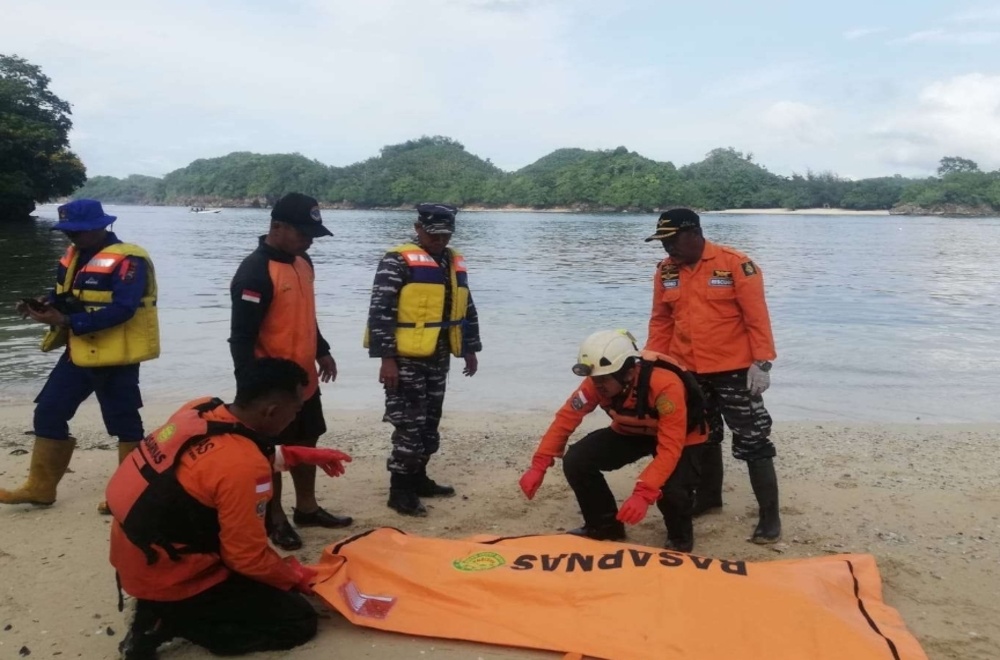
[188, 539]
[274, 315]
[709, 314]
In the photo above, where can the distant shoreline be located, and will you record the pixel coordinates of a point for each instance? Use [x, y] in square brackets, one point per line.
[475, 208]
[819, 211]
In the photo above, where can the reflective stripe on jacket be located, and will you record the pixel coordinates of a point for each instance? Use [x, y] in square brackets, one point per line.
[137, 339]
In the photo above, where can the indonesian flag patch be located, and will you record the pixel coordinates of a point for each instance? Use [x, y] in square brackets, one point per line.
[251, 296]
[263, 485]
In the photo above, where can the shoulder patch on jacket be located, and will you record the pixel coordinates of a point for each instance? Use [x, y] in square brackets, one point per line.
[578, 401]
[749, 268]
[664, 405]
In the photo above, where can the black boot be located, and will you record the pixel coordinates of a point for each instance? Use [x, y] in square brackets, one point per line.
[427, 487]
[609, 530]
[708, 495]
[680, 531]
[765, 487]
[144, 635]
[403, 495]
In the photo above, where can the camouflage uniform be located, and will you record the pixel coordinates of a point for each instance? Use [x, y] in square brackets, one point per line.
[727, 397]
[414, 408]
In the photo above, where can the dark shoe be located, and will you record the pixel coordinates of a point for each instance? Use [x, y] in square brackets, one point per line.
[764, 482]
[406, 502]
[427, 487]
[611, 532]
[679, 545]
[708, 495]
[135, 647]
[320, 518]
[143, 637]
[284, 536]
[680, 532]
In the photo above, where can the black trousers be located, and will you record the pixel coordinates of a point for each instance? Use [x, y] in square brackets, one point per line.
[234, 617]
[605, 450]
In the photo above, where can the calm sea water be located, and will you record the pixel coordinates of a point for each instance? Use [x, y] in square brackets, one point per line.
[875, 318]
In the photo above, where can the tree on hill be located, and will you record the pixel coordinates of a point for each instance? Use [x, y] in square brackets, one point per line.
[243, 175]
[36, 164]
[133, 189]
[954, 164]
[431, 168]
[727, 178]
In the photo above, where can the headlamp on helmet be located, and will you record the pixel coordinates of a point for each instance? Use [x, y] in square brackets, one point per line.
[604, 353]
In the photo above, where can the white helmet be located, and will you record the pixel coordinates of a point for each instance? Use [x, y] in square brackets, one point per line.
[605, 352]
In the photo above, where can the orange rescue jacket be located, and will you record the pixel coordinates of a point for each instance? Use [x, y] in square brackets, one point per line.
[711, 316]
[229, 477]
[289, 328]
[666, 417]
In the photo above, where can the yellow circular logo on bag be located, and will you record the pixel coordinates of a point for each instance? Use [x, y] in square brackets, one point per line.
[166, 433]
[480, 561]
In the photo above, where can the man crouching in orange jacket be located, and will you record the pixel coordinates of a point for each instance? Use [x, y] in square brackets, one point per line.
[656, 408]
[188, 539]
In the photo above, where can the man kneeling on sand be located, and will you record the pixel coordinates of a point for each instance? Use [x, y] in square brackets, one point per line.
[188, 539]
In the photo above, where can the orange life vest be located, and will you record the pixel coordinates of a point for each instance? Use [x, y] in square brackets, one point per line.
[636, 417]
[146, 499]
[289, 328]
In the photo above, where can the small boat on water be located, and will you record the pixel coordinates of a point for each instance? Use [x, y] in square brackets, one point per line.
[202, 209]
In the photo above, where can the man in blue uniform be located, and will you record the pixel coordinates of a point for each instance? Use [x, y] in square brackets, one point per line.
[103, 309]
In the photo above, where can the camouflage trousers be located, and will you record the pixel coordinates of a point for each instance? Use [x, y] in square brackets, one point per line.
[414, 409]
[728, 398]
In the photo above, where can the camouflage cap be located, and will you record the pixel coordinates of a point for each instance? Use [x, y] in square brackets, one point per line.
[437, 218]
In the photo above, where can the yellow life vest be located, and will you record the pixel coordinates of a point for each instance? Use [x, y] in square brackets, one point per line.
[420, 315]
[134, 341]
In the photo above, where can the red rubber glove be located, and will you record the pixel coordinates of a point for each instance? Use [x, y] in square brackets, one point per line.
[305, 574]
[634, 508]
[532, 478]
[330, 461]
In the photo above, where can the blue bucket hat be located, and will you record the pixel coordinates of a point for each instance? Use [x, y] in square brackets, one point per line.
[82, 215]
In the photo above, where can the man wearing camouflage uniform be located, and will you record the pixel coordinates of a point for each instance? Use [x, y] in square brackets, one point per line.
[421, 314]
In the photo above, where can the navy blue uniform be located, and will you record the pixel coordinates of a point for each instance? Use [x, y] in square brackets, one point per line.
[117, 388]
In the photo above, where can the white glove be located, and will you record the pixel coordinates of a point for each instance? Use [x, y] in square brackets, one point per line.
[758, 380]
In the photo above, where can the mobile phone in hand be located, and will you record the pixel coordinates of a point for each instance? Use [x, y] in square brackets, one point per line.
[35, 305]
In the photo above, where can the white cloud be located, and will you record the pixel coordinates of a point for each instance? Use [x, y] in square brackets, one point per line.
[955, 117]
[861, 32]
[966, 38]
[796, 122]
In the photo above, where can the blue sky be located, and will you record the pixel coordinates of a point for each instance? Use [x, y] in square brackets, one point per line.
[858, 88]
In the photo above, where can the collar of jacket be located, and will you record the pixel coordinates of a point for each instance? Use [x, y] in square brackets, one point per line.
[274, 253]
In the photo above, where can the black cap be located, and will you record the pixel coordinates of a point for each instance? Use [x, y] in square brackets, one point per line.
[437, 218]
[673, 221]
[302, 212]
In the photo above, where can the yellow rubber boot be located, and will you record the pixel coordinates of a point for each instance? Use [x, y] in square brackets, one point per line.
[49, 460]
[124, 449]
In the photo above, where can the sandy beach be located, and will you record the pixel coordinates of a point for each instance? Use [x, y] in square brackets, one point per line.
[923, 499]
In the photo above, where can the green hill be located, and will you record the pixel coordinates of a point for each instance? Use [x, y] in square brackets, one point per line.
[440, 169]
